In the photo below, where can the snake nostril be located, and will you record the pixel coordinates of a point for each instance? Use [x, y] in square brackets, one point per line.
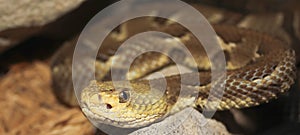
[108, 106]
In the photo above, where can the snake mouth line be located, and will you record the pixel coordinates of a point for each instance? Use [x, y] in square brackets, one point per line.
[99, 118]
[107, 121]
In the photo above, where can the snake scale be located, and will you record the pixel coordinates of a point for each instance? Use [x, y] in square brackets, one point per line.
[260, 68]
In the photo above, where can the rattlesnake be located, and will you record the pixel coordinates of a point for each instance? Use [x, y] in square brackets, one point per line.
[260, 68]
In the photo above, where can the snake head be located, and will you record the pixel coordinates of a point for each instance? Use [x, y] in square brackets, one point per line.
[121, 105]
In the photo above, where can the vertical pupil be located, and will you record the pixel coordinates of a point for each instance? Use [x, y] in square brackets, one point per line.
[124, 95]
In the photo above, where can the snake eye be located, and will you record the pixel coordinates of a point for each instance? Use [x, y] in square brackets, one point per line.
[124, 96]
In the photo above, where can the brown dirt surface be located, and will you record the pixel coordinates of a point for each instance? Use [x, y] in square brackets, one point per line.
[28, 105]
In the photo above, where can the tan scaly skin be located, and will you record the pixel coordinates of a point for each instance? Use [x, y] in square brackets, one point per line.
[259, 69]
[264, 69]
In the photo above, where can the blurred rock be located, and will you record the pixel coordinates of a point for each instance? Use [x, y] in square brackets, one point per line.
[188, 122]
[22, 19]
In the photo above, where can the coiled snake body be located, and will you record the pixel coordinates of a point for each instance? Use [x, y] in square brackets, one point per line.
[259, 69]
